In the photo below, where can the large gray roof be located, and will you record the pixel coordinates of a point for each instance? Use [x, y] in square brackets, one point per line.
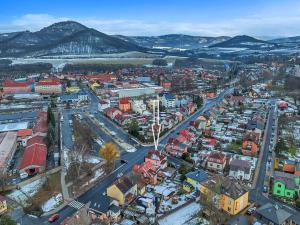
[273, 213]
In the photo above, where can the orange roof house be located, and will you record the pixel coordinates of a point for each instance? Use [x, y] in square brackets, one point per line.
[289, 166]
[24, 133]
[124, 104]
[249, 148]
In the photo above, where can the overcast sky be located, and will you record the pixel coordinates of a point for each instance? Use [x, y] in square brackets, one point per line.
[260, 18]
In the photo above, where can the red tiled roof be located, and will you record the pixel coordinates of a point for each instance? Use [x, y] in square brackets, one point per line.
[124, 100]
[41, 123]
[34, 155]
[11, 83]
[36, 140]
[52, 81]
[24, 132]
[283, 105]
[217, 157]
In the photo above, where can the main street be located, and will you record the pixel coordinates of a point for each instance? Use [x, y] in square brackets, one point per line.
[96, 192]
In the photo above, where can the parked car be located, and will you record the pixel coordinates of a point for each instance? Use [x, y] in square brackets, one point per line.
[23, 175]
[251, 210]
[53, 218]
[265, 189]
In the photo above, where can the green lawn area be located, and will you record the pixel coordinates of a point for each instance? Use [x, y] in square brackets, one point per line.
[292, 150]
[236, 147]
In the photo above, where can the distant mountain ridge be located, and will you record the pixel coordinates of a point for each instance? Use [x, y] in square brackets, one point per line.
[243, 41]
[70, 38]
[175, 41]
[63, 38]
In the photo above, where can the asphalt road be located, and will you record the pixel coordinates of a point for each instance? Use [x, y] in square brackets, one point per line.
[96, 192]
[257, 194]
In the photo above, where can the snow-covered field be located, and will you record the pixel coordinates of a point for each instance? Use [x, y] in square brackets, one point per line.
[52, 203]
[182, 216]
[29, 190]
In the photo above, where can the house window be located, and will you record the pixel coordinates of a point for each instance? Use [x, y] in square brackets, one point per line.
[279, 185]
[278, 191]
[228, 209]
[218, 166]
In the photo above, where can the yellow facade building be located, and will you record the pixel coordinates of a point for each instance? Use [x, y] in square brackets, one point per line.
[227, 194]
[123, 190]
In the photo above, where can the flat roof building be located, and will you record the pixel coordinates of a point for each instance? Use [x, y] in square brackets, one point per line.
[13, 126]
[8, 146]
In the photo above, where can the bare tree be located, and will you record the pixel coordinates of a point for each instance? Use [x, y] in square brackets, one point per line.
[78, 155]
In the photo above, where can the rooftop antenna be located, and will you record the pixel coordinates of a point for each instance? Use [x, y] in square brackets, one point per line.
[156, 126]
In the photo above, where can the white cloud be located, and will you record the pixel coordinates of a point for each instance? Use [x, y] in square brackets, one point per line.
[274, 22]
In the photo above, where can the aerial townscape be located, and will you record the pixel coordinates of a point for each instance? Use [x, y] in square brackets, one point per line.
[162, 126]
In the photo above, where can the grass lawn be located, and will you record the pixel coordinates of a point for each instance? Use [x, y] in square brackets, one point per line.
[235, 147]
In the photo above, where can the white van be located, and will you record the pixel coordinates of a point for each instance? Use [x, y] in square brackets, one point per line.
[23, 175]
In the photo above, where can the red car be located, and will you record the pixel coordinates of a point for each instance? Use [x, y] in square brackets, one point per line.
[53, 218]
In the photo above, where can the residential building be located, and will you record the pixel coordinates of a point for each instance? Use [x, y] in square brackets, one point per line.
[105, 208]
[8, 146]
[102, 77]
[139, 91]
[273, 214]
[289, 166]
[194, 179]
[23, 136]
[81, 217]
[122, 190]
[240, 169]
[138, 106]
[175, 148]
[12, 87]
[286, 185]
[103, 104]
[226, 193]
[216, 161]
[157, 158]
[73, 97]
[125, 104]
[34, 157]
[168, 100]
[249, 148]
[49, 86]
[148, 171]
[203, 122]
[3, 205]
[113, 113]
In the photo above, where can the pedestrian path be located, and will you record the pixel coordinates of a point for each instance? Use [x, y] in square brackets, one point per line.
[75, 204]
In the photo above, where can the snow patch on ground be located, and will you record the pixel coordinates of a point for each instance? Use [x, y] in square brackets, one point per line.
[52, 203]
[29, 190]
[98, 173]
[182, 216]
[93, 160]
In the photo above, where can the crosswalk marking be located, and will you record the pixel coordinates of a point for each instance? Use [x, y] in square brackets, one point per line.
[75, 204]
